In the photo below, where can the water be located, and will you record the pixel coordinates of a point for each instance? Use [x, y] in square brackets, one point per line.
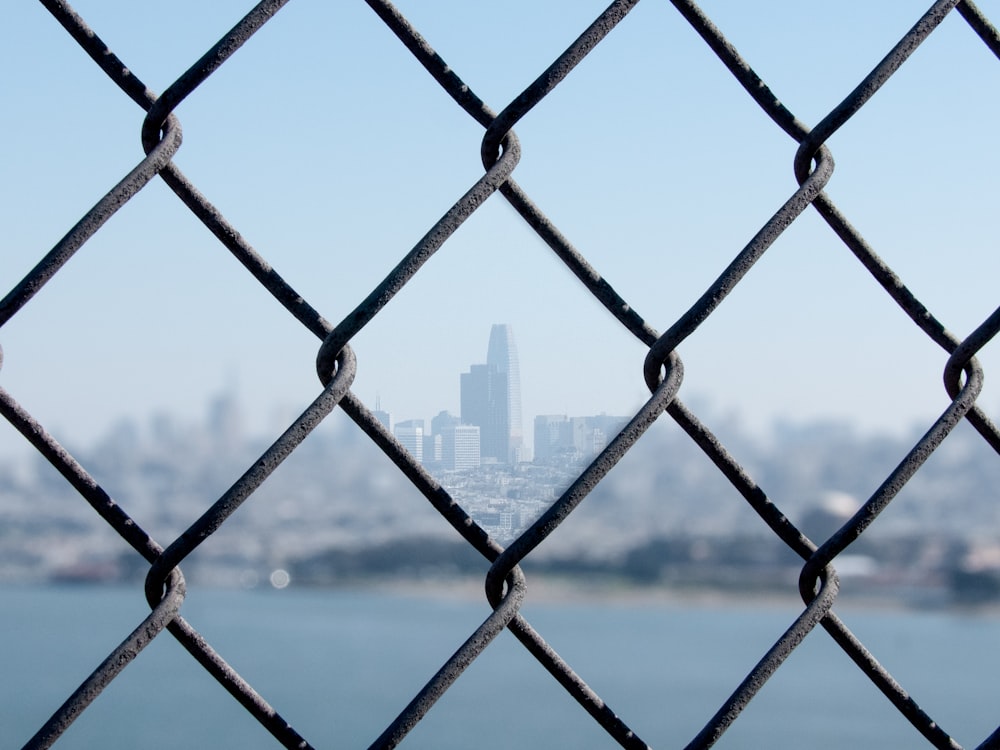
[340, 665]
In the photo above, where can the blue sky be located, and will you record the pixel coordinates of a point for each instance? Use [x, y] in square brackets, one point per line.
[333, 152]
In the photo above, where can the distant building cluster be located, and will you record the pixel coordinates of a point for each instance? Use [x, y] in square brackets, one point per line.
[489, 430]
[562, 439]
[663, 519]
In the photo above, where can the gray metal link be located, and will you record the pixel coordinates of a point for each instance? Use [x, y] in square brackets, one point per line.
[505, 582]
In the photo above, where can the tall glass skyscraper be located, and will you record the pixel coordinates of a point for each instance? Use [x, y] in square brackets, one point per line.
[491, 399]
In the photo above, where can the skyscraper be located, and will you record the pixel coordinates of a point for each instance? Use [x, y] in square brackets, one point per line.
[411, 434]
[491, 399]
[460, 447]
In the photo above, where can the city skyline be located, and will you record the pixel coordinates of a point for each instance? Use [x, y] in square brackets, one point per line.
[490, 427]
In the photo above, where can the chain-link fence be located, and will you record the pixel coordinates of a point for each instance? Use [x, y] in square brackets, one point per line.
[335, 363]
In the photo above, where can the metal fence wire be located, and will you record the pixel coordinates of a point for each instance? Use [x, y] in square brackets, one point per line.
[335, 363]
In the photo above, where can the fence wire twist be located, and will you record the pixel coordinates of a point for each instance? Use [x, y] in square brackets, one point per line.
[663, 372]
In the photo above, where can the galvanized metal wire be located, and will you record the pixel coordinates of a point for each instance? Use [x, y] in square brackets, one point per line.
[663, 371]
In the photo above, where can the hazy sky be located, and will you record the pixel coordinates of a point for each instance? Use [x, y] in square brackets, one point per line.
[333, 152]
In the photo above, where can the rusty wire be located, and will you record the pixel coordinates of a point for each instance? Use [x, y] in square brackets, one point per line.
[662, 369]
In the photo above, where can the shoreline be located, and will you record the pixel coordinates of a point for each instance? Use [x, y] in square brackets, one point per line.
[554, 591]
[548, 590]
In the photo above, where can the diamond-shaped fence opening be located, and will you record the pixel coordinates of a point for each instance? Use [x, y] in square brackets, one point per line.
[377, 201]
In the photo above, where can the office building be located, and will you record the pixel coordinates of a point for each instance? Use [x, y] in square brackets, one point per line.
[460, 447]
[411, 435]
[491, 399]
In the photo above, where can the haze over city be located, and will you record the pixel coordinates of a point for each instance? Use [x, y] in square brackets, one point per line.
[334, 201]
[119, 354]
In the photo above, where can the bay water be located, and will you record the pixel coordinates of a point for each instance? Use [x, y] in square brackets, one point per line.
[339, 665]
